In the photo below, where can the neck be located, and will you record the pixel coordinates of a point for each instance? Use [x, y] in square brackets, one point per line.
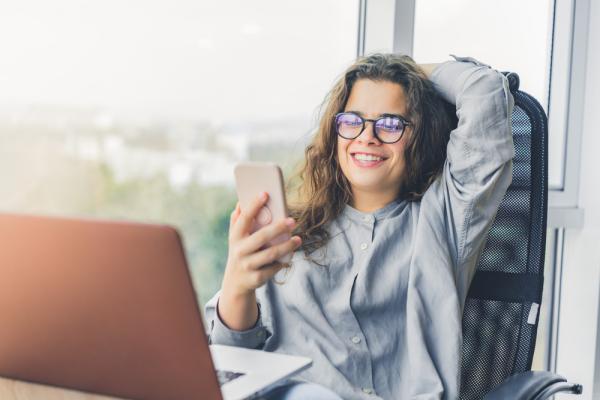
[370, 201]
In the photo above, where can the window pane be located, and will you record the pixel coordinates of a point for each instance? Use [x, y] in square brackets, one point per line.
[140, 109]
[515, 37]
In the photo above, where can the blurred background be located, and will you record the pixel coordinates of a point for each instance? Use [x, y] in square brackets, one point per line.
[139, 110]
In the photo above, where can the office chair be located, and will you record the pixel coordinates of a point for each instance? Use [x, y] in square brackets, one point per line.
[501, 311]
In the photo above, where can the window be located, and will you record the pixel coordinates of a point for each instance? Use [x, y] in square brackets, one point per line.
[139, 110]
[514, 37]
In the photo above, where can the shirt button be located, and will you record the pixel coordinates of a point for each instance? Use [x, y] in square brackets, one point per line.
[364, 246]
[260, 334]
[368, 390]
[367, 218]
[355, 340]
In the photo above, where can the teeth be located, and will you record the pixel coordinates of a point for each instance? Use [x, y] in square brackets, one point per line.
[367, 157]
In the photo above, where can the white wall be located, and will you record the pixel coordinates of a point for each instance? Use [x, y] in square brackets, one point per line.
[579, 311]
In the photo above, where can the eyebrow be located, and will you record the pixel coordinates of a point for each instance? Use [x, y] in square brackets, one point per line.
[380, 115]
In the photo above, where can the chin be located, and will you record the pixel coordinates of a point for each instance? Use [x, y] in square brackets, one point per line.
[362, 179]
[366, 185]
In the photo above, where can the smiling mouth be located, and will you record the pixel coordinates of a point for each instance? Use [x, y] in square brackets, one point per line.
[367, 157]
[362, 160]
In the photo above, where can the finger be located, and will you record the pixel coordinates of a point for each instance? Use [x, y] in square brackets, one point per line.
[273, 253]
[265, 234]
[246, 218]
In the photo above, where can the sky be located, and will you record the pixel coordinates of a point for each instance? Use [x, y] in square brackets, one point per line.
[178, 59]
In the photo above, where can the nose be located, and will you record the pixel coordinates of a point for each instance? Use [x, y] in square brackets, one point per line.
[368, 135]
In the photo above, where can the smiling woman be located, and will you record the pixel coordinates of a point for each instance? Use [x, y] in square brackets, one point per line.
[391, 215]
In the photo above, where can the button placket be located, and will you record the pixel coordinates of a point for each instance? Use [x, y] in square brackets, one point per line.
[356, 340]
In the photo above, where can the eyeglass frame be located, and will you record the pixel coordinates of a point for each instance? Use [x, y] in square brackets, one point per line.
[364, 121]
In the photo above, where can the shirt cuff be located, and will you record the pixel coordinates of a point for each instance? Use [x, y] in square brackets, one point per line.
[253, 338]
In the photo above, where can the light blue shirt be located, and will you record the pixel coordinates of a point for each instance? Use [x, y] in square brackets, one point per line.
[383, 318]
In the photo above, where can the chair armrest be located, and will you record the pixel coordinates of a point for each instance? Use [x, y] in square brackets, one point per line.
[532, 385]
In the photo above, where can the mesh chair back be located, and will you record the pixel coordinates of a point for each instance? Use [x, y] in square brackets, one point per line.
[498, 331]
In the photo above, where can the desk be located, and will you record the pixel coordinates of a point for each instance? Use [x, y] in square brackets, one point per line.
[18, 390]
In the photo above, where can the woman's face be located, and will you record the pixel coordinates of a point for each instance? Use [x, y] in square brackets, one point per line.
[383, 177]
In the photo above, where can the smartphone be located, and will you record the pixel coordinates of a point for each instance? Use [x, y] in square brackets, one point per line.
[253, 178]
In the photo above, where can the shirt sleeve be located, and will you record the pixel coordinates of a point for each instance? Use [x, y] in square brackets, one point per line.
[478, 166]
[219, 333]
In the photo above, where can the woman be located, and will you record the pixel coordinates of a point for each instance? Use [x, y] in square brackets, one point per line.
[392, 214]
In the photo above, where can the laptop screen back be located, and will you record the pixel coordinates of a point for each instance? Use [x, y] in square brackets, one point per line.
[102, 307]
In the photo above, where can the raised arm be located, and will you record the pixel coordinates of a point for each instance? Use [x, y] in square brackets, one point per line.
[456, 213]
[478, 168]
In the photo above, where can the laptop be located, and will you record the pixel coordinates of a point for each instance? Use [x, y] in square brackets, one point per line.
[109, 307]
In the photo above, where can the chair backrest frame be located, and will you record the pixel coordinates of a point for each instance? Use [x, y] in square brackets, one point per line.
[502, 310]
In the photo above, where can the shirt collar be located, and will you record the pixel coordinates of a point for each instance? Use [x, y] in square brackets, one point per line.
[377, 215]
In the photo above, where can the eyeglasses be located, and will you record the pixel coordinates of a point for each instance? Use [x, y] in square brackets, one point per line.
[387, 129]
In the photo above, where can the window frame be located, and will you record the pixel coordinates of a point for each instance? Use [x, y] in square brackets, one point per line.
[567, 94]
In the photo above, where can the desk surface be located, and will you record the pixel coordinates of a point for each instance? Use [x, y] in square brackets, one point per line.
[18, 390]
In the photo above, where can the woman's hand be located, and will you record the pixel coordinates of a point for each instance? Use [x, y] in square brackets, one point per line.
[249, 265]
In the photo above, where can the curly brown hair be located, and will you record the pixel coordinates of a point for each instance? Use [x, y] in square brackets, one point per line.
[319, 190]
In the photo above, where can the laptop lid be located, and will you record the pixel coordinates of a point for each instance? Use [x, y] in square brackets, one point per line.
[68, 291]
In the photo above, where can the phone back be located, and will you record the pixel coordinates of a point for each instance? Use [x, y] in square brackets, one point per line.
[252, 178]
